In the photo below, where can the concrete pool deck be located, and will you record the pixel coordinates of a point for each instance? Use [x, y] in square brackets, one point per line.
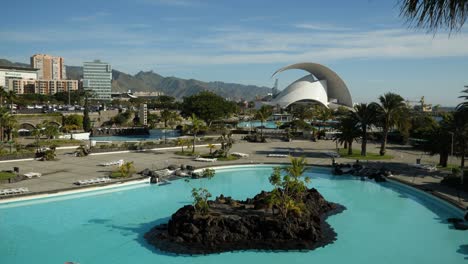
[61, 174]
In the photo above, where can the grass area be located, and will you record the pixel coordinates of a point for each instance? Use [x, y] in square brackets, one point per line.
[60, 142]
[116, 174]
[449, 167]
[187, 153]
[4, 175]
[357, 155]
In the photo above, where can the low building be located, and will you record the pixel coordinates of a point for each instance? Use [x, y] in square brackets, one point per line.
[23, 86]
[8, 73]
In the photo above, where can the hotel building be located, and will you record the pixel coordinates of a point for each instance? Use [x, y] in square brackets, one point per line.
[49, 67]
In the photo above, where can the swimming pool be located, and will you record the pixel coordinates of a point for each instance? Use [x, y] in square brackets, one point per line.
[155, 134]
[383, 223]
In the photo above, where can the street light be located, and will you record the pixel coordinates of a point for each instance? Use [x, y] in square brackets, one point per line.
[451, 150]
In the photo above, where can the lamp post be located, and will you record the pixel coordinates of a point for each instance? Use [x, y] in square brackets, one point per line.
[451, 149]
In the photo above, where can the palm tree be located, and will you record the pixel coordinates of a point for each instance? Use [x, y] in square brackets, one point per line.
[211, 147]
[126, 169]
[432, 15]
[182, 142]
[3, 94]
[8, 123]
[11, 95]
[350, 131]
[37, 133]
[322, 114]
[365, 116]
[197, 126]
[297, 167]
[390, 111]
[464, 105]
[263, 114]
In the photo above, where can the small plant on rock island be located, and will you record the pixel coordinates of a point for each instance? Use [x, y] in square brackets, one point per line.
[289, 189]
[200, 197]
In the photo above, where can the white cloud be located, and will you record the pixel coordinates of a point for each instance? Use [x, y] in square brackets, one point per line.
[321, 27]
[143, 48]
[173, 2]
[90, 18]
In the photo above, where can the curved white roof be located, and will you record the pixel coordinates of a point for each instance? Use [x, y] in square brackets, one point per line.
[328, 88]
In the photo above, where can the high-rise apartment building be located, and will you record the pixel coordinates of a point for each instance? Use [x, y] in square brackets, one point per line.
[97, 78]
[49, 67]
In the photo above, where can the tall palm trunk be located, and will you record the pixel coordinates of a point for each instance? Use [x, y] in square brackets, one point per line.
[364, 141]
[350, 147]
[443, 158]
[384, 141]
[193, 143]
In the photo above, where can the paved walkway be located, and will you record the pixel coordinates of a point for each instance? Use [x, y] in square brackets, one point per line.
[61, 174]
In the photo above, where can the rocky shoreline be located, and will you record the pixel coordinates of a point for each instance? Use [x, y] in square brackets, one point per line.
[232, 225]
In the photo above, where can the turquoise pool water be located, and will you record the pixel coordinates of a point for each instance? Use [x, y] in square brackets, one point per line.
[384, 223]
[155, 134]
[254, 124]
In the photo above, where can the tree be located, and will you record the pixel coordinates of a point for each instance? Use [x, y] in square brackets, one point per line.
[390, 110]
[435, 14]
[182, 142]
[207, 106]
[8, 123]
[350, 131]
[127, 169]
[365, 116]
[86, 119]
[37, 133]
[226, 142]
[322, 114]
[73, 121]
[211, 147]
[303, 112]
[11, 96]
[195, 127]
[439, 139]
[50, 130]
[262, 115]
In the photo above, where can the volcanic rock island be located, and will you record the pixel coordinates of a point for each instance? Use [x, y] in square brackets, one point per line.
[253, 224]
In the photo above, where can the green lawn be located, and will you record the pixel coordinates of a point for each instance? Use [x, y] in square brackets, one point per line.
[6, 175]
[357, 155]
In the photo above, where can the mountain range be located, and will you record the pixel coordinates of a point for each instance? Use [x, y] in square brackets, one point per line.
[150, 81]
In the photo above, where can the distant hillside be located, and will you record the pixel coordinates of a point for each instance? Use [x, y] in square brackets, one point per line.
[173, 86]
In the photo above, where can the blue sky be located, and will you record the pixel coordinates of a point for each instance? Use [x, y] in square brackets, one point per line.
[364, 41]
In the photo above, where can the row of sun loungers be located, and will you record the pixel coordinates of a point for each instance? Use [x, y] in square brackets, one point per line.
[238, 154]
[426, 167]
[277, 155]
[30, 175]
[93, 181]
[112, 163]
[205, 159]
[14, 191]
[332, 154]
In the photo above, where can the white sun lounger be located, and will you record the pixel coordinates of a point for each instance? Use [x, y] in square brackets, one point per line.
[33, 174]
[238, 154]
[206, 159]
[111, 163]
[93, 181]
[277, 155]
[14, 191]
